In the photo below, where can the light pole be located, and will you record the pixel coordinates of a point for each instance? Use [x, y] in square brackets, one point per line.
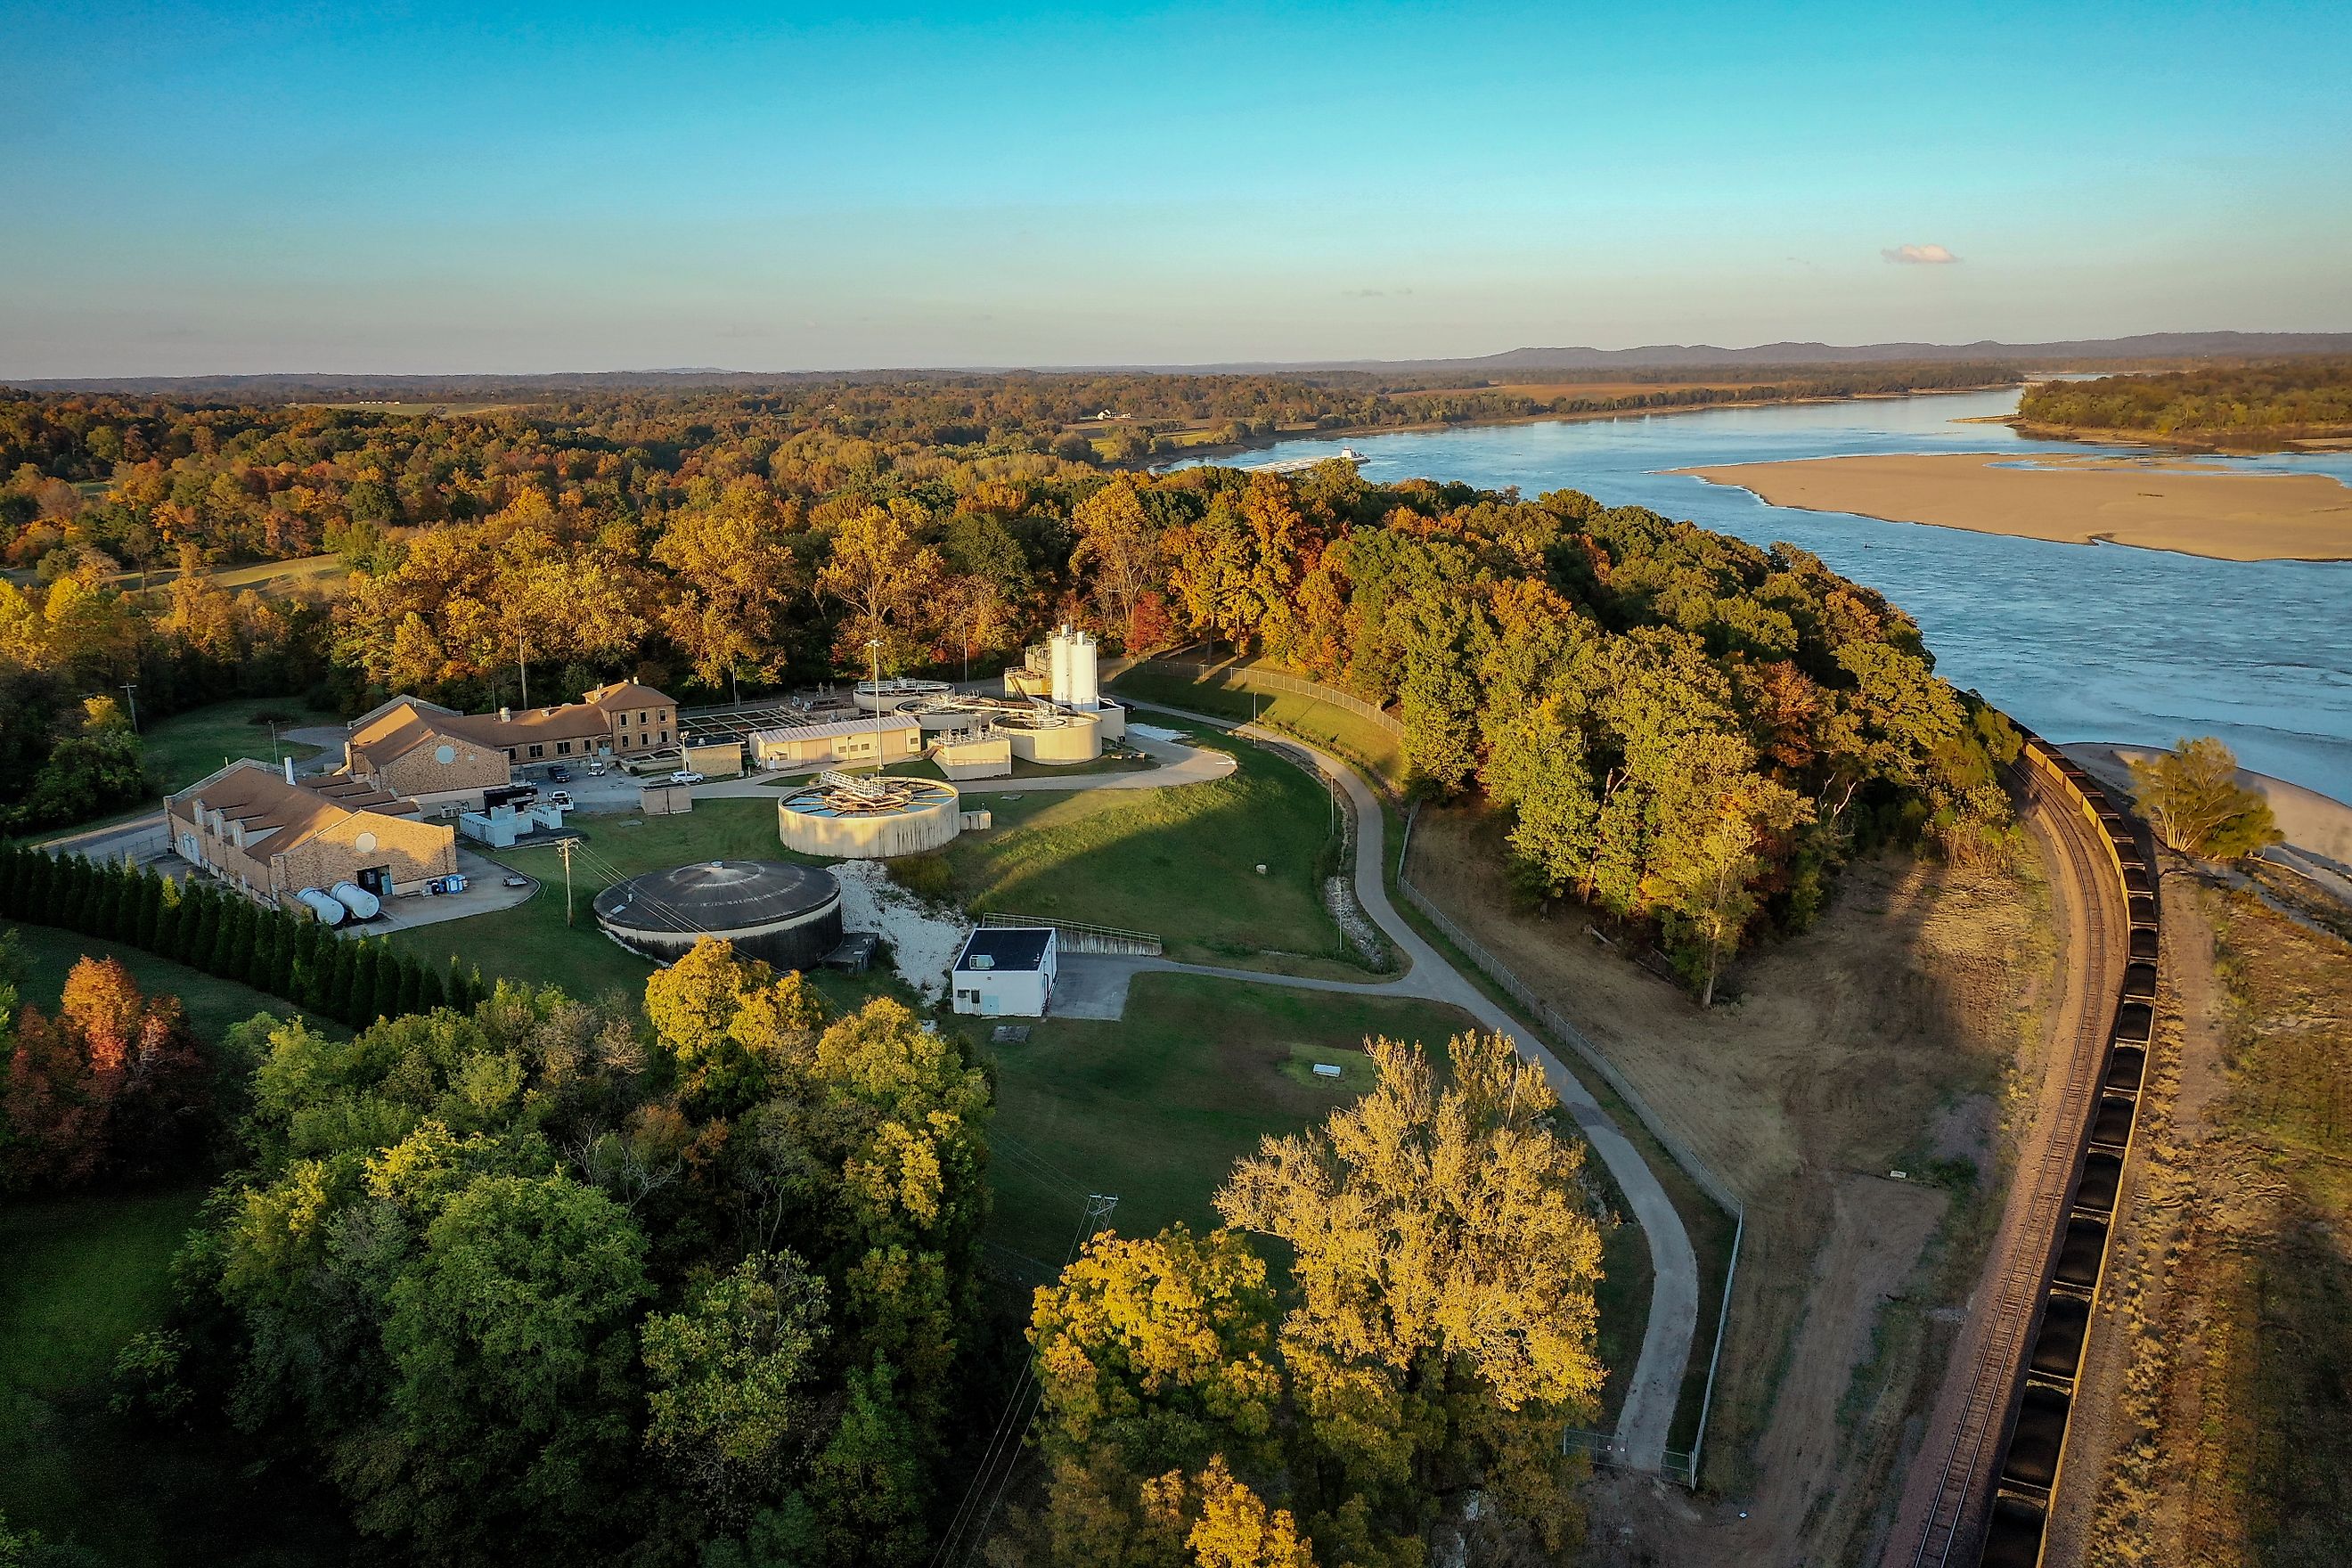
[874, 648]
[523, 671]
[131, 690]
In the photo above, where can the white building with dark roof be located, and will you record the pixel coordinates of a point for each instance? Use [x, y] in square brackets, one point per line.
[1006, 971]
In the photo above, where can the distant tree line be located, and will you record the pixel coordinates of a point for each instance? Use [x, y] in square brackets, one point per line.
[2288, 398]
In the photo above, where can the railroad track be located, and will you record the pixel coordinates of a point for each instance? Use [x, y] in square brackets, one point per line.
[1954, 1518]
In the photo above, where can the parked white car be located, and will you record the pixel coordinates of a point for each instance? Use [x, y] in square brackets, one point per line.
[686, 776]
[561, 797]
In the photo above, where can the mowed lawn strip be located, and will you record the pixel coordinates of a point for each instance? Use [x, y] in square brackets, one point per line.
[1158, 1107]
[212, 1003]
[1341, 731]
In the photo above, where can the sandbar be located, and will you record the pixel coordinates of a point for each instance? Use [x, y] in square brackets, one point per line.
[2191, 508]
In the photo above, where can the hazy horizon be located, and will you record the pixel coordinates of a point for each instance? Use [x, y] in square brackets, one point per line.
[227, 190]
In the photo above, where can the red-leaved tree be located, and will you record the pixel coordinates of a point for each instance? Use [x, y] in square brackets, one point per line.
[113, 1084]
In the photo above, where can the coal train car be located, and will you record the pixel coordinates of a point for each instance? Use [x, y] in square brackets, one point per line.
[2033, 1447]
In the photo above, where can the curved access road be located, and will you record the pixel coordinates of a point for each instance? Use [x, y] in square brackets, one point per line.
[1657, 1378]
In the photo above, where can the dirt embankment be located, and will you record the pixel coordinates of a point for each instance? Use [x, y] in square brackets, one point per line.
[2211, 1425]
[1880, 1041]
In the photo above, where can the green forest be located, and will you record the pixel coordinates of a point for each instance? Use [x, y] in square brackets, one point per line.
[1690, 732]
[2220, 404]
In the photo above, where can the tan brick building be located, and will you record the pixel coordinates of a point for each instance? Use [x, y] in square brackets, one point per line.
[438, 756]
[271, 837]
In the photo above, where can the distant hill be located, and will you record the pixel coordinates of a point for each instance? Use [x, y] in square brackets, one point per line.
[2146, 346]
[2081, 351]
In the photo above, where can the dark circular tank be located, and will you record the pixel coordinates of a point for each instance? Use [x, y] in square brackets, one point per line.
[789, 915]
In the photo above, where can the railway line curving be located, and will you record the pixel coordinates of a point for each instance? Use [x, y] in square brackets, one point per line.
[1994, 1454]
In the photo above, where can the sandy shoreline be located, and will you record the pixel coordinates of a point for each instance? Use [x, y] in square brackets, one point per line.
[2189, 507]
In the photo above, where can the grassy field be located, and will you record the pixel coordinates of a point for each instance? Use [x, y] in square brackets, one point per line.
[79, 1276]
[1339, 730]
[84, 1275]
[531, 942]
[212, 1003]
[1178, 862]
[1158, 1107]
[184, 747]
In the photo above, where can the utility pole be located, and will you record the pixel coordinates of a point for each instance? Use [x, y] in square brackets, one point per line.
[564, 847]
[131, 690]
[523, 671]
[276, 752]
[873, 648]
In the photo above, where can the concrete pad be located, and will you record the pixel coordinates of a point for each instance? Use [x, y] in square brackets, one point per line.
[1093, 986]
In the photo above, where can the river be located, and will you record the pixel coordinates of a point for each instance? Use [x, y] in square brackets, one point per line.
[2081, 642]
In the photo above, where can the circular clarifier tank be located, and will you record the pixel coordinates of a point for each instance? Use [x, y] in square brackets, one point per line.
[789, 915]
[843, 817]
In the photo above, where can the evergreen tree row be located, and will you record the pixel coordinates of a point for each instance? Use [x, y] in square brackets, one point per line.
[212, 927]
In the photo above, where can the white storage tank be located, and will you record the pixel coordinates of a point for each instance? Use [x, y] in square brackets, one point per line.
[329, 912]
[1074, 669]
[362, 904]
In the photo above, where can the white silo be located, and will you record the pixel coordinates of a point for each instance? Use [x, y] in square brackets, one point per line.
[1073, 670]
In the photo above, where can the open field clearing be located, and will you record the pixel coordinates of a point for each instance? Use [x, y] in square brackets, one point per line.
[79, 1276]
[2224, 1355]
[183, 747]
[1181, 863]
[212, 1003]
[1876, 1042]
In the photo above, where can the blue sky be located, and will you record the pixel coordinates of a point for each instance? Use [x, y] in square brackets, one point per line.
[224, 188]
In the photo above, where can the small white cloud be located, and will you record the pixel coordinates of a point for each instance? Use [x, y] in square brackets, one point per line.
[1920, 256]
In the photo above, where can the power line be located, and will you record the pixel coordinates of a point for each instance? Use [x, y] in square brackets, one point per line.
[1002, 1456]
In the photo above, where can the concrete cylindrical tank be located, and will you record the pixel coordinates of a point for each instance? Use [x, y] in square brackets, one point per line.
[362, 904]
[1075, 684]
[1053, 739]
[321, 904]
[786, 914]
[869, 816]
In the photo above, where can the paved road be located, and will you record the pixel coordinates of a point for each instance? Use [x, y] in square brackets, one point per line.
[1656, 1383]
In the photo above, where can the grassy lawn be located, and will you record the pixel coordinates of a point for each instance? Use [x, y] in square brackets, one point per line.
[212, 1003]
[184, 747]
[1336, 730]
[83, 1275]
[1178, 862]
[1158, 1107]
[79, 1276]
[531, 942]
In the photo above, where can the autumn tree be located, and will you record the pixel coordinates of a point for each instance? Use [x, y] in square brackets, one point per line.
[731, 553]
[1118, 551]
[887, 586]
[2192, 798]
